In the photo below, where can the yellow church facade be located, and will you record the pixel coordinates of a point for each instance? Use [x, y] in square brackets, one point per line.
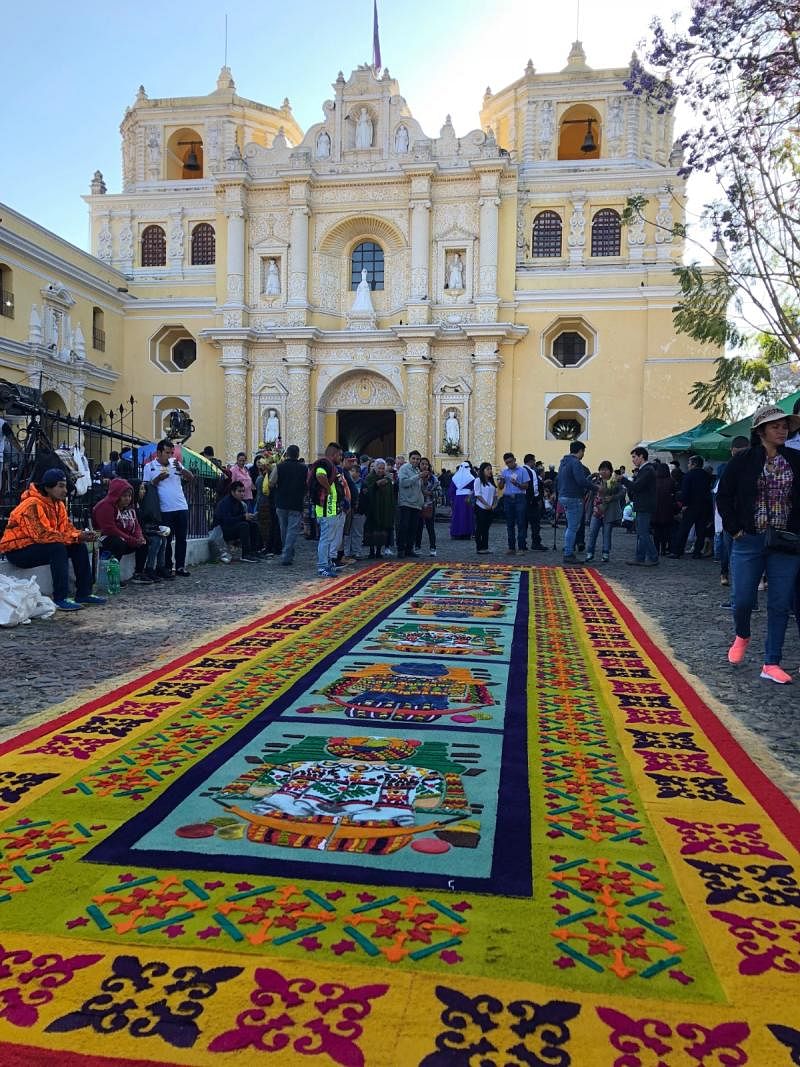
[364, 281]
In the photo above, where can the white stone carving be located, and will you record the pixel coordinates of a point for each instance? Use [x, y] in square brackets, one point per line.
[126, 242]
[153, 153]
[547, 124]
[34, 326]
[664, 220]
[176, 237]
[364, 130]
[455, 272]
[452, 427]
[105, 249]
[272, 426]
[272, 286]
[401, 140]
[323, 145]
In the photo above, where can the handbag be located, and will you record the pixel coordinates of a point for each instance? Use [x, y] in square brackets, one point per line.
[779, 540]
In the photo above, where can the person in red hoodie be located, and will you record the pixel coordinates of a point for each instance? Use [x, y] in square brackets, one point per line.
[120, 533]
[39, 531]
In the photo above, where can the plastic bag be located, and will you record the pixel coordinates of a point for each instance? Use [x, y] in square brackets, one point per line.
[21, 600]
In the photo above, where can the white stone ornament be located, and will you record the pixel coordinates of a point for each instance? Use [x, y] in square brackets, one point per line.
[401, 140]
[272, 427]
[273, 286]
[104, 243]
[323, 145]
[452, 427]
[455, 276]
[363, 300]
[364, 130]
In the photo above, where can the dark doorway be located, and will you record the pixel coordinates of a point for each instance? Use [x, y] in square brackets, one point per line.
[371, 433]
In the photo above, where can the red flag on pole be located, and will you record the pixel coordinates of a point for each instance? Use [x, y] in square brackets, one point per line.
[376, 41]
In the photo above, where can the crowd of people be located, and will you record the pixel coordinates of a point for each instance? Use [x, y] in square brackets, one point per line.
[745, 515]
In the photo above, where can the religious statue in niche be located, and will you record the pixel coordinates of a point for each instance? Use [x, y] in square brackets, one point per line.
[272, 427]
[364, 130]
[323, 145]
[363, 300]
[401, 140]
[452, 429]
[272, 281]
[455, 272]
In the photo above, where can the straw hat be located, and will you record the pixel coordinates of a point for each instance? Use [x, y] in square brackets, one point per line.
[772, 413]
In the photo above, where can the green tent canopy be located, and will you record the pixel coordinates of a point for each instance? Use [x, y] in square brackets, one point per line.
[717, 444]
[685, 442]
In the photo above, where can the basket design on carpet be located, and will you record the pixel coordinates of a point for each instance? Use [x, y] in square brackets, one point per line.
[433, 815]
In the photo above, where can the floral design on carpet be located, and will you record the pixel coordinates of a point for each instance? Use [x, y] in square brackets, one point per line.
[147, 1000]
[483, 1029]
[29, 982]
[314, 1019]
[639, 1040]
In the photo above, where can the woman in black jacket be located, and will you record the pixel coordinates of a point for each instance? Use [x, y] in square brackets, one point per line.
[760, 492]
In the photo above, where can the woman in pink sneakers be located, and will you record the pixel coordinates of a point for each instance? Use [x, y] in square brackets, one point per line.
[759, 500]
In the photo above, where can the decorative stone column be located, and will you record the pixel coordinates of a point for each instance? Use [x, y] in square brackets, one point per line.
[235, 365]
[418, 398]
[297, 302]
[576, 238]
[298, 408]
[234, 213]
[488, 231]
[422, 285]
[485, 365]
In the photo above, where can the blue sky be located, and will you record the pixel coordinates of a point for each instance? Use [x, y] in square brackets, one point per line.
[69, 71]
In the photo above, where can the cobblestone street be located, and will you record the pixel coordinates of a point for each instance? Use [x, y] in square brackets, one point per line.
[51, 661]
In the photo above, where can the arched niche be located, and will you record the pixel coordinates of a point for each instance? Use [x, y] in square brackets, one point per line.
[93, 444]
[573, 127]
[567, 412]
[162, 406]
[180, 147]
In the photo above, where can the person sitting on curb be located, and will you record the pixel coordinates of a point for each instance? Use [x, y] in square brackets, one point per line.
[115, 520]
[236, 523]
[39, 531]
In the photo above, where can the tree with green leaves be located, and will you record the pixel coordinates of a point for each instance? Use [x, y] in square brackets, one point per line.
[735, 67]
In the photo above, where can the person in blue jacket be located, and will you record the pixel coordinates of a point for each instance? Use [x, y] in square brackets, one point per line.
[573, 485]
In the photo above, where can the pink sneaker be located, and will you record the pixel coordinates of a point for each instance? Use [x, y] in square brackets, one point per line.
[737, 650]
[773, 673]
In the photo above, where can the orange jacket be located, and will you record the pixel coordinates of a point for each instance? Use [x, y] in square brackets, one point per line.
[38, 520]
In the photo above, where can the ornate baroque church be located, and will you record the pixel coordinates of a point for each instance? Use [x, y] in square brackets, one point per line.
[367, 282]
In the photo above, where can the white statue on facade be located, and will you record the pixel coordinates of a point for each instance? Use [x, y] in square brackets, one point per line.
[323, 145]
[455, 277]
[452, 427]
[401, 140]
[615, 119]
[363, 301]
[176, 238]
[364, 130]
[272, 427]
[546, 128]
[273, 286]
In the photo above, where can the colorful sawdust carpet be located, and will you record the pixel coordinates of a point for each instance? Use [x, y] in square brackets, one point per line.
[449, 815]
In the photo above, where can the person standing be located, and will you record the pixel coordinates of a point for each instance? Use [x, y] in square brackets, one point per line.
[288, 483]
[534, 503]
[462, 517]
[606, 510]
[573, 484]
[695, 496]
[380, 509]
[642, 491]
[487, 498]
[327, 496]
[409, 504]
[356, 516]
[240, 472]
[663, 524]
[168, 476]
[515, 481]
[429, 484]
[759, 501]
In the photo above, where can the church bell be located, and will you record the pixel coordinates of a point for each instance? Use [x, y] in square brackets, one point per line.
[589, 143]
[191, 163]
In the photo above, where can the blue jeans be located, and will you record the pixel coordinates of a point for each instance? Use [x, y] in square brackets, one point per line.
[573, 509]
[645, 545]
[328, 537]
[594, 529]
[289, 522]
[749, 560]
[516, 508]
[59, 556]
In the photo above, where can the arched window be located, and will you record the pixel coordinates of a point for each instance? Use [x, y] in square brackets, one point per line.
[98, 330]
[204, 245]
[606, 233]
[569, 348]
[6, 291]
[154, 247]
[367, 256]
[546, 234]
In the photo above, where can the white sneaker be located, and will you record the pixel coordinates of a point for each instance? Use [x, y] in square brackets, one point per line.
[225, 558]
[389, 552]
[433, 552]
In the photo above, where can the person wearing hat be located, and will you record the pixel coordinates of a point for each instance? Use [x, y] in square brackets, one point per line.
[759, 492]
[39, 531]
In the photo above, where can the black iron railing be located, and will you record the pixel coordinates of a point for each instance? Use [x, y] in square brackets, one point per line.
[99, 340]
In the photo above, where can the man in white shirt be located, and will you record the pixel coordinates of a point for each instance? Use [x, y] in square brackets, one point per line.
[168, 476]
[515, 480]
